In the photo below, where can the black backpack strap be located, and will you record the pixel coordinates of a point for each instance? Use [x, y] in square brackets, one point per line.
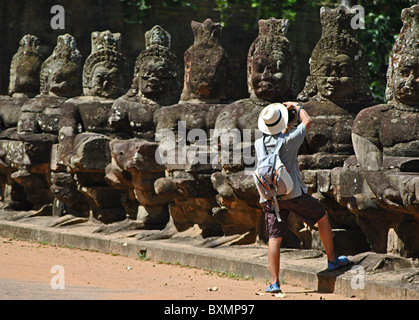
[264, 145]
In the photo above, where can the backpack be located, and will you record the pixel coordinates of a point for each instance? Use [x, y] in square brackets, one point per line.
[271, 176]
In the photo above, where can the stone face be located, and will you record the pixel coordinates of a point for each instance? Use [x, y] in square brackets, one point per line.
[84, 132]
[337, 88]
[61, 72]
[386, 139]
[134, 168]
[206, 66]
[25, 67]
[105, 68]
[272, 72]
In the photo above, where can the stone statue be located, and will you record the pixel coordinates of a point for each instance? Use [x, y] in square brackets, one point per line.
[335, 91]
[272, 76]
[206, 87]
[25, 67]
[24, 84]
[207, 67]
[133, 167]
[38, 121]
[337, 87]
[386, 144]
[154, 84]
[84, 134]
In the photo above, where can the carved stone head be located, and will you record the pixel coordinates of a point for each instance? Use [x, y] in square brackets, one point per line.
[61, 72]
[272, 72]
[156, 69]
[25, 67]
[105, 69]
[403, 68]
[338, 64]
[207, 76]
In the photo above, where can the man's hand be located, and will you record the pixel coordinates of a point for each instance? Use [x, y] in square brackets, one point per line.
[291, 105]
[305, 118]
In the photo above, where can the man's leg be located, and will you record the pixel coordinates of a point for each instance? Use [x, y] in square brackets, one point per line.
[325, 232]
[274, 247]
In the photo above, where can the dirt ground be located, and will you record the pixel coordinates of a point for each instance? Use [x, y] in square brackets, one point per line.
[117, 277]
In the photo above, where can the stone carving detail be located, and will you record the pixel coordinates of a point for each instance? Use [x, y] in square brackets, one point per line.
[24, 84]
[84, 135]
[335, 91]
[386, 144]
[337, 87]
[206, 66]
[272, 76]
[83, 140]
[37, 126]
[61, 72]
[134, 167]
[105, 68]
[206, 86]
[25, 67]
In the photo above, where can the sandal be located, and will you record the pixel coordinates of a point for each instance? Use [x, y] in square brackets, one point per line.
[273, 288]
[339, 262]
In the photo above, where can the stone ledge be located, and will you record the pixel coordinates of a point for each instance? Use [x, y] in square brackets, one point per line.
[298, 267]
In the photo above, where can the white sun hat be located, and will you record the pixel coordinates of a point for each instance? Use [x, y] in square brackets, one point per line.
[273, 118]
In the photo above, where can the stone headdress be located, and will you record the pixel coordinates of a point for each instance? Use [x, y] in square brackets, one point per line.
[66, 58]
[157, 45]
[106, 47]
[407, 43]
[25, 67]
[271, 41]
[338, 37]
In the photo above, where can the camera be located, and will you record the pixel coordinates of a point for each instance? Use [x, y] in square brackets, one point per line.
[291, 115]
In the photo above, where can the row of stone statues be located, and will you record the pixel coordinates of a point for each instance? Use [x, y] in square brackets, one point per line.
[87, 145]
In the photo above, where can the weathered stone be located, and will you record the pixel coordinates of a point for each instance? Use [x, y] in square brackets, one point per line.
[84, 132]
[105, 69]
[134, 168]
[24, 83]
[272, 76]
[386, 143]
[207, 68]
[38, 121]
[25, 67]
[335, 91]
[206, 86]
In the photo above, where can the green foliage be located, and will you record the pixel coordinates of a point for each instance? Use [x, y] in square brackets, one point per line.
[382, 26]
[262, 9]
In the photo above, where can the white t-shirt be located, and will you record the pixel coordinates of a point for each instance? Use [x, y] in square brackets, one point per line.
[289, 156]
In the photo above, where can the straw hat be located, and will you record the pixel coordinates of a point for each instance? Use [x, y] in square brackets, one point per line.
[273, 119]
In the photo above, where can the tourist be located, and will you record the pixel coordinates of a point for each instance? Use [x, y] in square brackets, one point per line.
[298, 200]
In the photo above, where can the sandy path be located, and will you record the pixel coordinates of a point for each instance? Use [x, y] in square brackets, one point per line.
[102, 276]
